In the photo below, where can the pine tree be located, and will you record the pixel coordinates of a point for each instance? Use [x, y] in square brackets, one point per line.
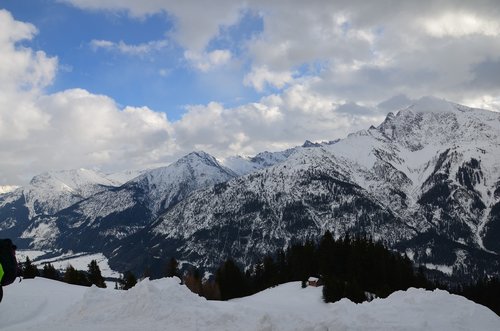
[70, 275]
[231, 281]
[82, 278]
[172, 268]
[211, 290]
[29, 269]
[50, 272]
[94, 274]
[76, 277]
[193, 281]
[147, 273]
[333, 289]
[325, 253]
[128, 280]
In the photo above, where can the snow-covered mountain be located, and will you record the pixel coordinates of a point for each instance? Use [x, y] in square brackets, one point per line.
[124, 176]
[51, 192]
[47, 194]
[426, 182]
[7, 188]
[242, 165]
[115, 213]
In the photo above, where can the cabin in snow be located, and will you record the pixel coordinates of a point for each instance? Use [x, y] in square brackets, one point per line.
[314, 281]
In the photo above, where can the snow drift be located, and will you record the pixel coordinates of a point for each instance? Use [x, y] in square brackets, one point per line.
[42, 304]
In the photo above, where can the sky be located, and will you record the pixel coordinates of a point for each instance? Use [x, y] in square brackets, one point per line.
[123, 84]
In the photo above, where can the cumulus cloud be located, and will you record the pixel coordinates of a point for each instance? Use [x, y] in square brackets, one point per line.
[68, 129]
[329, 64]
[459, 24]
[207, 61]
[195, 23]
[20, 67]
[261, 76]
[76, 128]
[358, 50]
[23, 72]
[275, 122]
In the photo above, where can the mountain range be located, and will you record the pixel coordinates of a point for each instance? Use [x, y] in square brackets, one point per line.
[426, 182]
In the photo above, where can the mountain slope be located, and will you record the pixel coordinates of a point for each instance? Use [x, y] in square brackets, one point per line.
[97, 222]
[425, 178]
[47, 194]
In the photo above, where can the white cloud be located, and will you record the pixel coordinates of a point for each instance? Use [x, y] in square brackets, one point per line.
[484, 102]
[76, 128]
[12, 31]
[331, 61]
[261, 76]
[68, 129]
[122, 47]
[275, 122]
[208, 61]
[460, 24]
[20, 67]
[359, 50]
[22, 73]
[196, 23]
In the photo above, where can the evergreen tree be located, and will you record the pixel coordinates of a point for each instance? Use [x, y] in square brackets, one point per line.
[128, 280]
[71, 275]
[270, 272]
[29, 269]
[326, 262]
[94, 274]
[50, 272]
[172, 268]
[282, 267]
[231, 281]
[147, 273]
[485, 292]
[193, 281]
[211, 290]
[333, 289]
[76, 277]
[82, 278]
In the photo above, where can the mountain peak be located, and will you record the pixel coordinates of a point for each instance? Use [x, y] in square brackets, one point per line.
[430, 104]
[74, 178]
[7, 188]
[309, 143]
[198, 156]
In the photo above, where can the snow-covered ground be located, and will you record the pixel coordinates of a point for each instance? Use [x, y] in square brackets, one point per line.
[41, 304]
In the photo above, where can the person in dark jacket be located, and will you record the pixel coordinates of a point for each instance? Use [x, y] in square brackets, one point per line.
[9, 269]
[1, 276]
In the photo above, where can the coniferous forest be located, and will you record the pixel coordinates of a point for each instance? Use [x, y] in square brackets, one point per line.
[355, 268]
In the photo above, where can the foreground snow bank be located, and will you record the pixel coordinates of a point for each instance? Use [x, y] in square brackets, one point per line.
[42, 304]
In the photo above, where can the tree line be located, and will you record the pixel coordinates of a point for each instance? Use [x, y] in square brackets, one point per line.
[356, 268]
[92, 276]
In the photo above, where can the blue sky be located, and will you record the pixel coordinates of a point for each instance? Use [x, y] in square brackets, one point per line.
[126, 84]
[160, 79]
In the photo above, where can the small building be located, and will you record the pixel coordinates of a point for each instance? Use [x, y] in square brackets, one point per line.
[314, 281]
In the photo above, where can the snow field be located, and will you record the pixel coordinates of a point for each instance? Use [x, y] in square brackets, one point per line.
[42, 304]
[79, 261]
